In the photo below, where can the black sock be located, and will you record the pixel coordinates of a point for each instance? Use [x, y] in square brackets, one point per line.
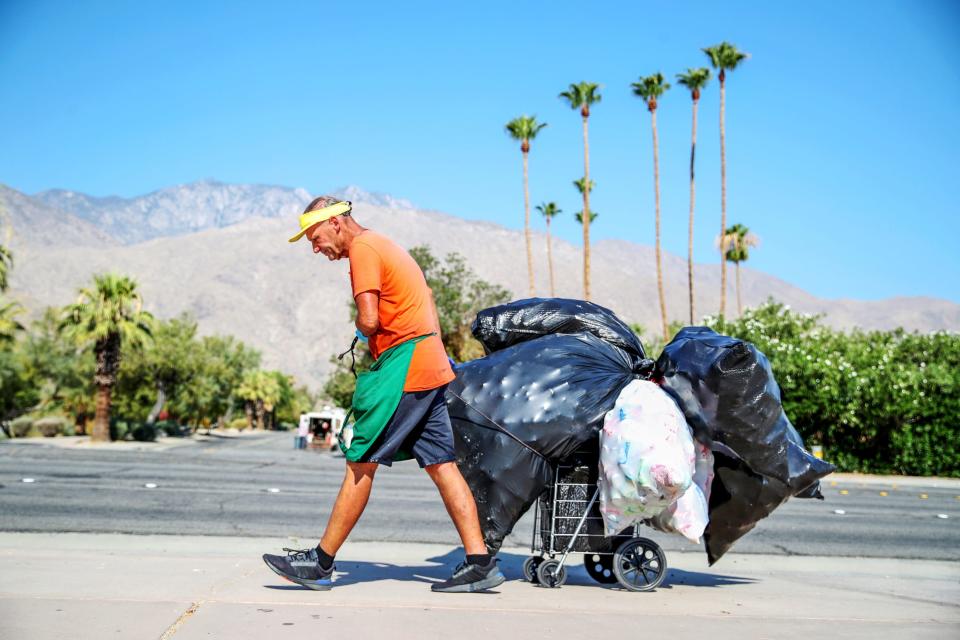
[482, 559]
[326, 560]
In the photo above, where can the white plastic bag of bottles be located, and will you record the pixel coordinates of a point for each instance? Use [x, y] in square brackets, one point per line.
[647, 456]
[688, 516]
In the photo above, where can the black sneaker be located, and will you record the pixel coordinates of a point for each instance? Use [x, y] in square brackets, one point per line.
[471, 577]
[301, 566]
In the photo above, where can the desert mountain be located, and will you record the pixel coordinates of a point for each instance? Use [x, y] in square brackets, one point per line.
[29, 222]
[194, 207]
[220, 252]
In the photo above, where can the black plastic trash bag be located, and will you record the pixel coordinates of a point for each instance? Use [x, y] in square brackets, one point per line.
[739, 498]
[520, 410]
[728, 395]
[508, 324]
[504, 476]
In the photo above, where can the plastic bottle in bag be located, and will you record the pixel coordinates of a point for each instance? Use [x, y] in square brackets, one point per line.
[646, 456]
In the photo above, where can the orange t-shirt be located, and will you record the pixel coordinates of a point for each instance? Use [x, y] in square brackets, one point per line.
[379, 264]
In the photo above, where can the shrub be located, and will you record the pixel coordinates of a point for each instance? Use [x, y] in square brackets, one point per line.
[284, 426]
[50, 426]
[172, 429]
[119, 429]
[878, 401]
[21, 427]
[144, 433]
[70, 429]
[238, 423]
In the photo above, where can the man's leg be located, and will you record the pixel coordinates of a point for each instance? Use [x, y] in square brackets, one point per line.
[351, 501]
[480, 571]
[314, 568]
[460, 504]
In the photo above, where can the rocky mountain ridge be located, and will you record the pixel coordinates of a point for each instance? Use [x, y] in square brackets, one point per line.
[193, 207]
[244, 279]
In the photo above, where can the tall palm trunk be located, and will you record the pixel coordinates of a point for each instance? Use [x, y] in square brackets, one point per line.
[101, 420]
[526, 220]
[586, 210]
[723, 197]
[656, 192]
[107, 354]
[248, 410]
[553, 292]
[259, 410]
[693, 196]
[739, 304]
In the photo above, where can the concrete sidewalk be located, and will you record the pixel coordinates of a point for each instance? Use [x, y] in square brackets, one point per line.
[80, 586]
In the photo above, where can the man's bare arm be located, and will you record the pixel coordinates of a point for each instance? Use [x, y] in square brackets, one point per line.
[368, 312]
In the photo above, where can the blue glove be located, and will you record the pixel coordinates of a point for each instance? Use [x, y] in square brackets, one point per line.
[361, 337]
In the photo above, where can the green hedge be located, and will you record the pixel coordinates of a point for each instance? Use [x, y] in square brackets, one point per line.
[172, 429]
[21, 427]
[144, 432]
[119, 429]
[51, 426]
[878, 401]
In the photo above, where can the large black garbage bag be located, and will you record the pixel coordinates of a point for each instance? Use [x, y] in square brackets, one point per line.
[519, 411]
[726, 390]
[508, 324]
[739, 498]
[504, 476]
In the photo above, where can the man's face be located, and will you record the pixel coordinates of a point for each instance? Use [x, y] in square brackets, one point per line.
[325, 238]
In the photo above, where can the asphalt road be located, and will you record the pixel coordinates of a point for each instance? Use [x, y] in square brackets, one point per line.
[257, 485]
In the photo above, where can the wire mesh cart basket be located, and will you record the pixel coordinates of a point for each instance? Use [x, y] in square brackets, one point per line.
[567, 520]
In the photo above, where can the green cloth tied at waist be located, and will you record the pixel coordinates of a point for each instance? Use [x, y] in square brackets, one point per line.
[376, 397]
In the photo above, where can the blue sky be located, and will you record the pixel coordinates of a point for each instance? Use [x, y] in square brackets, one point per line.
[842, 130]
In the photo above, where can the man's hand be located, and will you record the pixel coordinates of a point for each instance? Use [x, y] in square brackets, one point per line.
[368, 312]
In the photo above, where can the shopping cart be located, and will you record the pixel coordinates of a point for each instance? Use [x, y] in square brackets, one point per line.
[567, 520]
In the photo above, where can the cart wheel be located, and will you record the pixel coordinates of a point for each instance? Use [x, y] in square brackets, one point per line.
[639, 564]
[600, 567]
[551, 574]
[530, 566]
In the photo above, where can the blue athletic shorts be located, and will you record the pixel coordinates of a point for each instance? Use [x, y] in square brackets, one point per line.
[420, 425]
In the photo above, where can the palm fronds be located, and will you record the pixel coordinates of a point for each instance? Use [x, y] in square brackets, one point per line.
[650, 88]
[694, 80]
[549, 209]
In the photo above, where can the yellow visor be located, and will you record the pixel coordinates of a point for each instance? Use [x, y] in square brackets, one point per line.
[311, 218]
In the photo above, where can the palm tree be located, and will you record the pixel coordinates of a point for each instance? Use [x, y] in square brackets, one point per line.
[736, 243]
[581, 96]
[108, 314]
[694, 80]
[548, 210]
[247, 392]
[9, 310]
[260, 391]
[650, 88]
[582, 183]
[724, 57]
[6, 264]
[9, 325]
[525, 129]
[579, 216]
